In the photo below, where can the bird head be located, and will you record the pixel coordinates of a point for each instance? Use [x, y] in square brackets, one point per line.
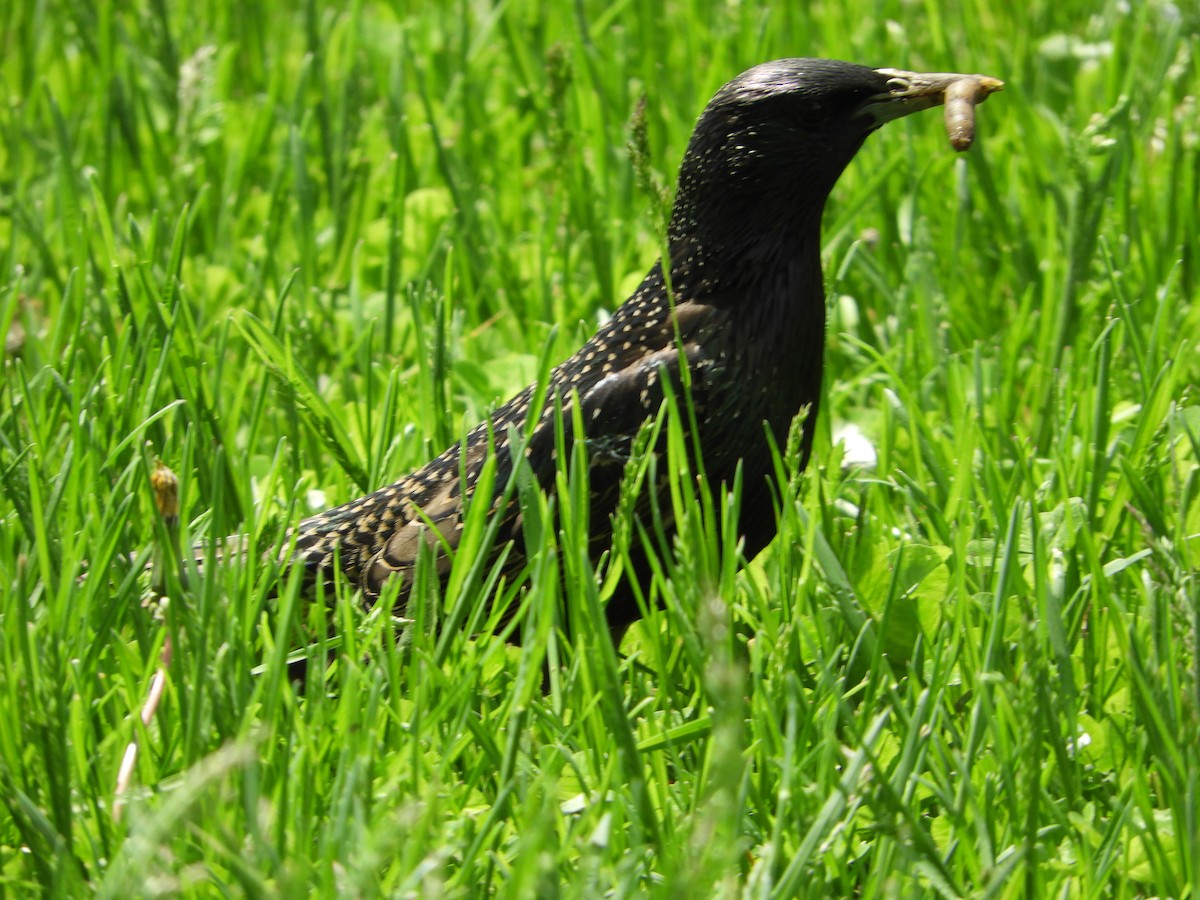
[772, 142]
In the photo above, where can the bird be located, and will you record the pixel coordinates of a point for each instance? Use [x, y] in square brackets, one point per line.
[738, 303]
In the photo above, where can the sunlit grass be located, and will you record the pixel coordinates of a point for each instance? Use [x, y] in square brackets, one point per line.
[293, 254]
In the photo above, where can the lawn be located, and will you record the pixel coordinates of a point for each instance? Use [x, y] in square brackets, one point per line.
[295, 253]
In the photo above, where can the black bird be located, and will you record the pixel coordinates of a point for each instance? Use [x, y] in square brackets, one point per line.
[748, 311]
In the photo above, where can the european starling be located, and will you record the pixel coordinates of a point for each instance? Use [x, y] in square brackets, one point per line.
[748, 315]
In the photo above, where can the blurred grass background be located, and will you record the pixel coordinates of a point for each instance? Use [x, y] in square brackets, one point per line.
[293, 251]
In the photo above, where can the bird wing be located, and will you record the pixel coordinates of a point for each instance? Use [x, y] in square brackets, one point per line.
[382, 535]
[613, 411]
[616, 405]
[437, 526]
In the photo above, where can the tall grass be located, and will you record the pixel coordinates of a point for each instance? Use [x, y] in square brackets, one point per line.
[295, 252]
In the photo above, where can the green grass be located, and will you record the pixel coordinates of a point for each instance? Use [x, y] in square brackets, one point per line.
[294, 251]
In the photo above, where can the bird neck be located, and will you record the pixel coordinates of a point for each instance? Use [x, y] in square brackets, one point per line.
[744, 246]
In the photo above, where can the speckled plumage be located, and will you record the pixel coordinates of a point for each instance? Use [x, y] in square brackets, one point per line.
[748, 311]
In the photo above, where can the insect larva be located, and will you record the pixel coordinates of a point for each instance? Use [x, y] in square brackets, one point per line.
[960, 98]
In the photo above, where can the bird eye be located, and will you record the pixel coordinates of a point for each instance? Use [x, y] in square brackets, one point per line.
[814, 112]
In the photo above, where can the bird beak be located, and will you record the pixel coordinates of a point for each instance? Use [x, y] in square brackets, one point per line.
[910, 92]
